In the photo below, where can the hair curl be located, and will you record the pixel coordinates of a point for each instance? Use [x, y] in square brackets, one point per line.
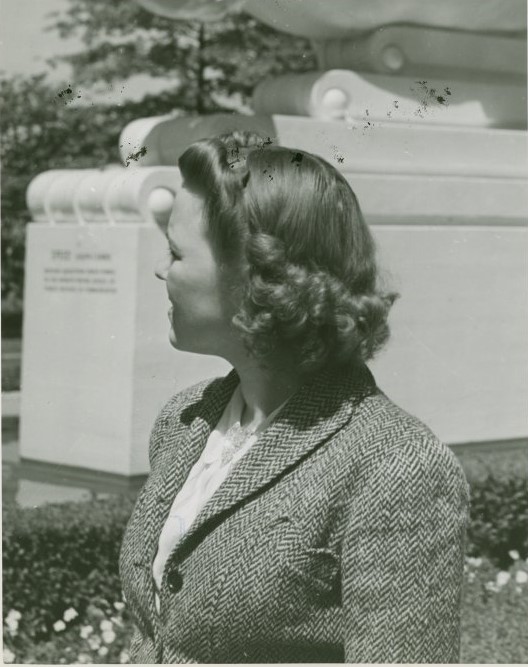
[289, 224]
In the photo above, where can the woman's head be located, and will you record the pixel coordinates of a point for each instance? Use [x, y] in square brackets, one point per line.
[289, 238]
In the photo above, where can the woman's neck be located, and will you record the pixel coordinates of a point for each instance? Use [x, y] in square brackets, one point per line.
[265, 389]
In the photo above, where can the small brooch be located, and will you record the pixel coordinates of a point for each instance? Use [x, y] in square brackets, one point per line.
[237, 437]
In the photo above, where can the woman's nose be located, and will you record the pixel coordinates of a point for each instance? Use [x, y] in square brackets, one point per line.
[161, 269]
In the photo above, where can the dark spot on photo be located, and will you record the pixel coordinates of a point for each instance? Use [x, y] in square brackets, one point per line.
[135, 156]
[297, 158]
[66, 91]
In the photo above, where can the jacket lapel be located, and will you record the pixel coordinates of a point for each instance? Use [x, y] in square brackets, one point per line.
[182, 450]
[312, 416]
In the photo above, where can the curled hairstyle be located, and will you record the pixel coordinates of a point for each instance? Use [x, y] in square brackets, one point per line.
[290, 226]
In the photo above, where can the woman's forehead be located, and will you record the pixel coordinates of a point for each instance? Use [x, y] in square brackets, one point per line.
[186, 218]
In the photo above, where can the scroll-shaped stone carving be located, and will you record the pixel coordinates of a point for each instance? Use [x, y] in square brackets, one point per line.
[333, 19]
[112, 196]
[347, 95]
[428, 52]
[192, 10]
[164, 138]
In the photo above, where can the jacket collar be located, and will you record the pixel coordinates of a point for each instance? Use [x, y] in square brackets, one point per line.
[196, 422]
[321, 407]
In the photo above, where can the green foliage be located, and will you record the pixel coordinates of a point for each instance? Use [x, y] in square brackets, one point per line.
[11, 363]
[208, 68]
[499, 505]
[58, 557]
[499, 519]
[206, 61]
[101, 634]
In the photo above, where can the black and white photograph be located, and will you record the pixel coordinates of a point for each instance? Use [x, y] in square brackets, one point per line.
[264, 331]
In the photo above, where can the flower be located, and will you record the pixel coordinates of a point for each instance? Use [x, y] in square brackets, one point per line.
[94, 642]
[471, 577]
[106, 625]
[521, 577]
[108, 636]
[84, 658]
[475, 562]
[14, 615]
[119, 606]
[94, 612]
[491, 586]
[12, 626]
[513, 554]
[70, 614]
[116, 621]
[11, 621]
[86, 631]
[502, 578]
[8, 655]
[102, 651]
[59, 626]
[124, 658]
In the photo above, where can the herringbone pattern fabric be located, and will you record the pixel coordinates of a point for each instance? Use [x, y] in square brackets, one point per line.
[338, 537]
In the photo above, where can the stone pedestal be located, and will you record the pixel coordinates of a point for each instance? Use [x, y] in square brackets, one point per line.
[97, 364]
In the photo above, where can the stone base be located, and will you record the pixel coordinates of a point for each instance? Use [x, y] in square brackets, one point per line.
[94, 481]
[97, 365]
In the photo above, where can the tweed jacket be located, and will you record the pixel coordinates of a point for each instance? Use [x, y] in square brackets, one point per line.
[339, 537]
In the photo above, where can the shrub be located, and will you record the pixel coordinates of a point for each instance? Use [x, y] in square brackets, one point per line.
[58, 557]
[499, 505]
[102, 635]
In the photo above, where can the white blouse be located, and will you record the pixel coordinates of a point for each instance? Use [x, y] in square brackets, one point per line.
[226, 445]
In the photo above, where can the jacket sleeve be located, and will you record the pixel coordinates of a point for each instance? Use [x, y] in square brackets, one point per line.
[403, 558]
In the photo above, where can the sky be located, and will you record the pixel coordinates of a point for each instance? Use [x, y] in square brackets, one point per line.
[25, 45]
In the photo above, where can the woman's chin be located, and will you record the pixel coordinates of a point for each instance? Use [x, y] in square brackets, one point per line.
[173, 340]
[179, 342]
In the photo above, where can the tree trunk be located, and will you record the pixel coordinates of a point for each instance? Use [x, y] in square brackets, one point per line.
[200, 81]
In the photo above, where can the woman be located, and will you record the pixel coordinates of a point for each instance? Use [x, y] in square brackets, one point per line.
[293, 513]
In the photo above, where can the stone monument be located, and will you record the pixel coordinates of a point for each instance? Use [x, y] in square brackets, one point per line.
[423, 107]
[97, 364]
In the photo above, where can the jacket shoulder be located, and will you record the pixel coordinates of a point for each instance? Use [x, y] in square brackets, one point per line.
[398, 439]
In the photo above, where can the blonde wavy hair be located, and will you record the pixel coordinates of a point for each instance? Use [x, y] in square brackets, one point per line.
[288, 228]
